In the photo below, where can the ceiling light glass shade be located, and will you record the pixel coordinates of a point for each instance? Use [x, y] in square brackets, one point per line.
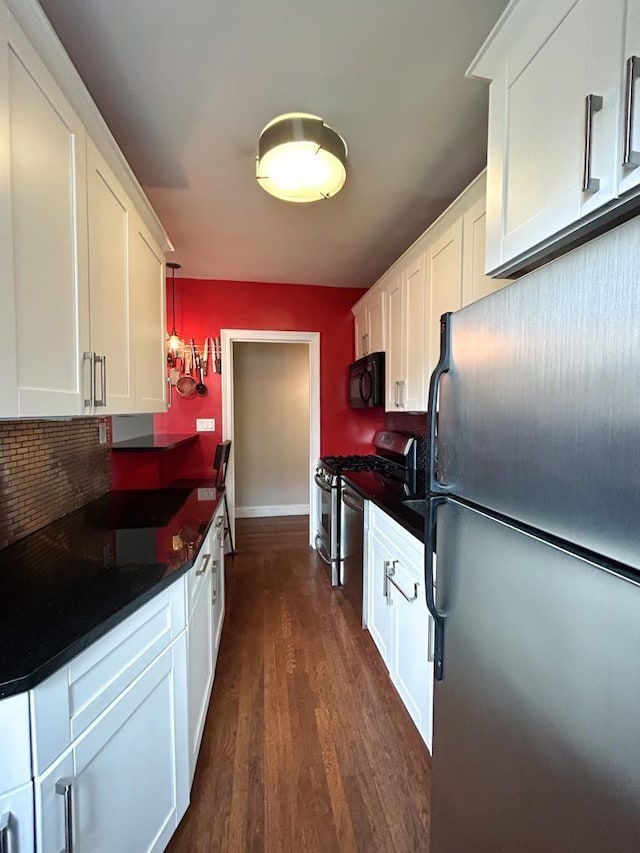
[301, 159]
[174, 342]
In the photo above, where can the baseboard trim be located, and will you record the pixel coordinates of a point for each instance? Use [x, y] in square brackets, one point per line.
[264, 511]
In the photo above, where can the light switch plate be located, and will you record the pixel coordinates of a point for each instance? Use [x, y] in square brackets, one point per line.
[205, 425]
[102, 433]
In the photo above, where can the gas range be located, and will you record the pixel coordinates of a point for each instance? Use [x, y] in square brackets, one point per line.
[394, 460]
[395, 457]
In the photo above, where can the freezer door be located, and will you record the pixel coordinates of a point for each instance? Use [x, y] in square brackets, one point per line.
[537, 719]
[540, 412]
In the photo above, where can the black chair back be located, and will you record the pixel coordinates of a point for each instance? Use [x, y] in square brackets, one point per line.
[220, 461]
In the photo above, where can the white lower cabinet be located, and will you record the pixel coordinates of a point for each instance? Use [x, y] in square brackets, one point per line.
[16, 820]
[398, 618]
[380, 617]
[122, 785]
[200, 644]
[217, 581]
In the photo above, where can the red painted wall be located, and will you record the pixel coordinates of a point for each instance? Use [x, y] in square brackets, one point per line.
[203, 308]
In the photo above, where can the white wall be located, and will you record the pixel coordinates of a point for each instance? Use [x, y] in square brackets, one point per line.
[271, 428]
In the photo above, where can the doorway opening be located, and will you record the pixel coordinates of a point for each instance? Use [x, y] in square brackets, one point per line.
[271, 414]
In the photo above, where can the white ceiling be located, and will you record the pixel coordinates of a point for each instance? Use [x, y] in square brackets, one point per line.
[187, 87]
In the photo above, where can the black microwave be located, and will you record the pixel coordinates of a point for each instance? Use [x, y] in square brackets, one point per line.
[366, 381]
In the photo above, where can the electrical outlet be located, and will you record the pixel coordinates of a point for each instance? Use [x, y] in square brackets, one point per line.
[205, 425]
[102, 433]
[207, 494]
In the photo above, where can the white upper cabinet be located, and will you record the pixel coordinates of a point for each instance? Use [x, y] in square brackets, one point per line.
[148, 325]
[8, 362]
[406, 296]
[630, 162]
[109, 293]
[445, 284]
[395, 361]
[475, 283]
[555, 125]
[69, 243]
[48, 193]
[369, 324]
[442, 271]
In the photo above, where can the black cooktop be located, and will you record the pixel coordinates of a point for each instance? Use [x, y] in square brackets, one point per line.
[367, 462]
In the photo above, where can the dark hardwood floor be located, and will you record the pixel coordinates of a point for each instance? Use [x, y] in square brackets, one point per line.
[307, 746]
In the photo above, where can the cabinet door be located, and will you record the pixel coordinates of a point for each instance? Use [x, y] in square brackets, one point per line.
[475, 284]
[444, 284]
[148, 326]
[630, 173]
[109, 284]
[16, 821]
[414, 390]
[8, 362]
[48, 186]
[395, 366]
[380, 621]
[375, 322]
[360, 330]
[412, 667]
[200, 644]
[538, 127]
[125, 784]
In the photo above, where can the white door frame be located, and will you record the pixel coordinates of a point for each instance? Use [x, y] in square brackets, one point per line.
[227, 338]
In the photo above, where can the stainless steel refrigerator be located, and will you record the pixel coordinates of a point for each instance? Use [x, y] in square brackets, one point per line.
[533, 561]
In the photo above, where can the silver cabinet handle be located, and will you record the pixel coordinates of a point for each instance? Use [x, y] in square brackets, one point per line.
[102, 361]
[430, 638]
[366, 343]
[388, 565]
[402, 384]
[397, 385]
[390, 570]
[592, 104]
[4, 832]
[63, 787]
[630, 158]
[205, 563]
[170, 400]
[88, 356]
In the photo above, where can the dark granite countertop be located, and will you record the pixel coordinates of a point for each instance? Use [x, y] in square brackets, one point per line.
[154, 442]
[68, 584]
[389, 496]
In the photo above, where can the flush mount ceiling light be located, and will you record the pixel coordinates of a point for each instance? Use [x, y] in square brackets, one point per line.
[300, 158]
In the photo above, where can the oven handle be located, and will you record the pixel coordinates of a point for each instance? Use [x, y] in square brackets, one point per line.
[320, 551]
[321, 483]
[356, 505]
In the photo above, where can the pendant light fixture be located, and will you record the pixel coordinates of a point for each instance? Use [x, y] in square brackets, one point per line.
[300, 158]
[174, 341]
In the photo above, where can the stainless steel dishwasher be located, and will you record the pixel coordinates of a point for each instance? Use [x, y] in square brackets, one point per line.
[352, 545]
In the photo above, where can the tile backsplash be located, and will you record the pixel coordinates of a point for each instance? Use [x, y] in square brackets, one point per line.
[48, 469]
[411, 424]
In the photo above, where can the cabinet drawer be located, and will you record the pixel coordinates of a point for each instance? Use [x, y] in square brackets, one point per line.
[15, 748]
[64, 705]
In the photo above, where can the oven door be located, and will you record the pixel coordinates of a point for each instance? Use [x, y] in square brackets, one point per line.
[326, 540]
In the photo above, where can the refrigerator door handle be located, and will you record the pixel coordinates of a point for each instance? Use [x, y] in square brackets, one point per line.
[441, 368]
[429, 584]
